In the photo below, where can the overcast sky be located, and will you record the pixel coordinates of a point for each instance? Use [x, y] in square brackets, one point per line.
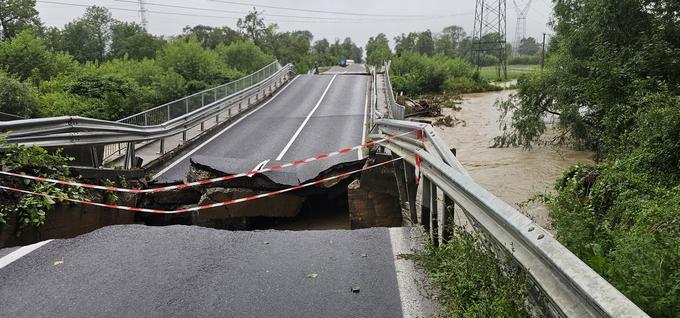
[359, 25]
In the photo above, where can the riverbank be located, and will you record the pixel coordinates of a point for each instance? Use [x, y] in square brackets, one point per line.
[512, 174]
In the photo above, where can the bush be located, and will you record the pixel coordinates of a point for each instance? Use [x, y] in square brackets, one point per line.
[30, 210]
[16, 97]
[524, 60]
[473, 281]
[417, 74]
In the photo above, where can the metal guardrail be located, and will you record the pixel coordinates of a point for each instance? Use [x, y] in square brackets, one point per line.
[573, 288]
[121, 136]
[396, 111]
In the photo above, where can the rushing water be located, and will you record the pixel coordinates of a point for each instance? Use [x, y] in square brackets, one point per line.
[512, 174]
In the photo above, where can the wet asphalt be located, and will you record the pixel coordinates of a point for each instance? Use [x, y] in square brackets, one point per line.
[183, 271]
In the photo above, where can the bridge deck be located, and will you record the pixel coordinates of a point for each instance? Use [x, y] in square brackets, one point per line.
[314, 114]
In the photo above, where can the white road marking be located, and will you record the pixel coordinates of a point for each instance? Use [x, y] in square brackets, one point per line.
[360, 152]
[412, 283]
[166, 169]
[259, 167]
[20, 252]
[292, 140]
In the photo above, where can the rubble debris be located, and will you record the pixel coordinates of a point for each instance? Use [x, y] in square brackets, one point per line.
[429, 106]
[449, 121]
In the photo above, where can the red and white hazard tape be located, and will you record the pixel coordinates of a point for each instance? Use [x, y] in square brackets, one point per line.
[203, 207]
[207, 181]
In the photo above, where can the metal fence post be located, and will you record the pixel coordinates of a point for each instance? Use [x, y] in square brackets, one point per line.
[186, 106]
[146, 119]
[130, 155]
[425, 203]
[411, 188]
[162, 142]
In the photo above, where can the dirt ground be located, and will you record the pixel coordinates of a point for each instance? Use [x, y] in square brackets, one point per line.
[512, 174]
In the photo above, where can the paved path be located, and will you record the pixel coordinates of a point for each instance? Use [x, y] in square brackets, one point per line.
[314, 114]
[183, 271]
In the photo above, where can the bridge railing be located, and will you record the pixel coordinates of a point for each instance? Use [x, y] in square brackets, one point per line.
[122, 137]
[572, 288]
[396, 111]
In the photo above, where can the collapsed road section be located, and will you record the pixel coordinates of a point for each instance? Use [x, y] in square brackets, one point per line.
[312, 115]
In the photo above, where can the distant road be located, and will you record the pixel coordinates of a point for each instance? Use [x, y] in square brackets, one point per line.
[313, 114]
[352, 68]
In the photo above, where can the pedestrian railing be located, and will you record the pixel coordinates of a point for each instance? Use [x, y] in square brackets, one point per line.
[155, 125]
[396, 111]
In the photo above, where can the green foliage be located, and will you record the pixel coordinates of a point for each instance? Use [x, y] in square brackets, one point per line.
[16, 97]
[87, 38]
[416, 74]
[27, 57]
[474, 279]
[378, 50]
[17, 15]
[612, 79]
[625, 225]
[211, 37]
[130, 40]
[245, 56]
[31, 210]
[529, 46]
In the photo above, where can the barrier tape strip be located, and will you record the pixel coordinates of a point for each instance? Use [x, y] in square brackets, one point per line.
[207, 181]
[203, 207]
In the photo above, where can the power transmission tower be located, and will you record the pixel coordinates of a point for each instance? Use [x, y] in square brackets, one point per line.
[489, 35]
[521, 27]
[142, 13]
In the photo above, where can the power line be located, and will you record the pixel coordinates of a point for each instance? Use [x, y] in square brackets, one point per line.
[222, 16]
[327, 12]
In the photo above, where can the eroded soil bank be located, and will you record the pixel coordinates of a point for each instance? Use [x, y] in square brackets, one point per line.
[512, 174]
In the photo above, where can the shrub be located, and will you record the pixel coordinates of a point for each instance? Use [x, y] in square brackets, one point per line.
[16, 97]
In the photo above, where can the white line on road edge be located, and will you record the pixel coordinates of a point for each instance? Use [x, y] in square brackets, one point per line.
[166, 169]
[360, 152]
[412, 283]
[20, 252]
[292, 140]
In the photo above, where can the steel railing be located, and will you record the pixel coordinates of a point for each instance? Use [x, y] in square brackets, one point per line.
[123, 136]
[396, 111]
[573, 289]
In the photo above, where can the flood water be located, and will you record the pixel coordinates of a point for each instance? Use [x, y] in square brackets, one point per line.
[512, 174]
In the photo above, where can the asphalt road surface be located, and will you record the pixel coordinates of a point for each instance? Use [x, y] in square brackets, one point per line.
[313, 114]
[183, 271]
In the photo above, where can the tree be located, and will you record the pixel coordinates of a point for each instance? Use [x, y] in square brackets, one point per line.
[449, 40]
[16, 15]
[252, 26]
[243, 56]
[130, 39]
[27, 57]
[16, 97]
[378, 50]
[88, 38]
[211, 37]
[405, 43]
[425, 43]
[528, 46]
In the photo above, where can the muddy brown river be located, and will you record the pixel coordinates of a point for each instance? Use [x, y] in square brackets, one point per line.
[512, 174]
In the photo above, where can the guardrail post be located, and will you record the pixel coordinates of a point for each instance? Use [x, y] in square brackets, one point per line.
[146, 119]
[411, 188]
[162, 142]
[130, 156]
[435, 209]
[186, 105]
[425, 203]
[168, 107]
[217, 118]
[184, 136]
[401, 186]
[202, 126]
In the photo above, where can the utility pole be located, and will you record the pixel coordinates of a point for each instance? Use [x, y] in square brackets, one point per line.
[521, 26]
[489, 36]
[543, 53]
[142, 14]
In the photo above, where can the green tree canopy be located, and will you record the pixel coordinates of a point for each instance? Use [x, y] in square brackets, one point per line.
[244, 56]
[378, 50]
[17, 15]
[16, 97]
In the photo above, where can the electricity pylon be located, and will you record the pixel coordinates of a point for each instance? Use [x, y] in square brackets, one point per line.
[142, 14]
[489, 35]
[521, 27]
